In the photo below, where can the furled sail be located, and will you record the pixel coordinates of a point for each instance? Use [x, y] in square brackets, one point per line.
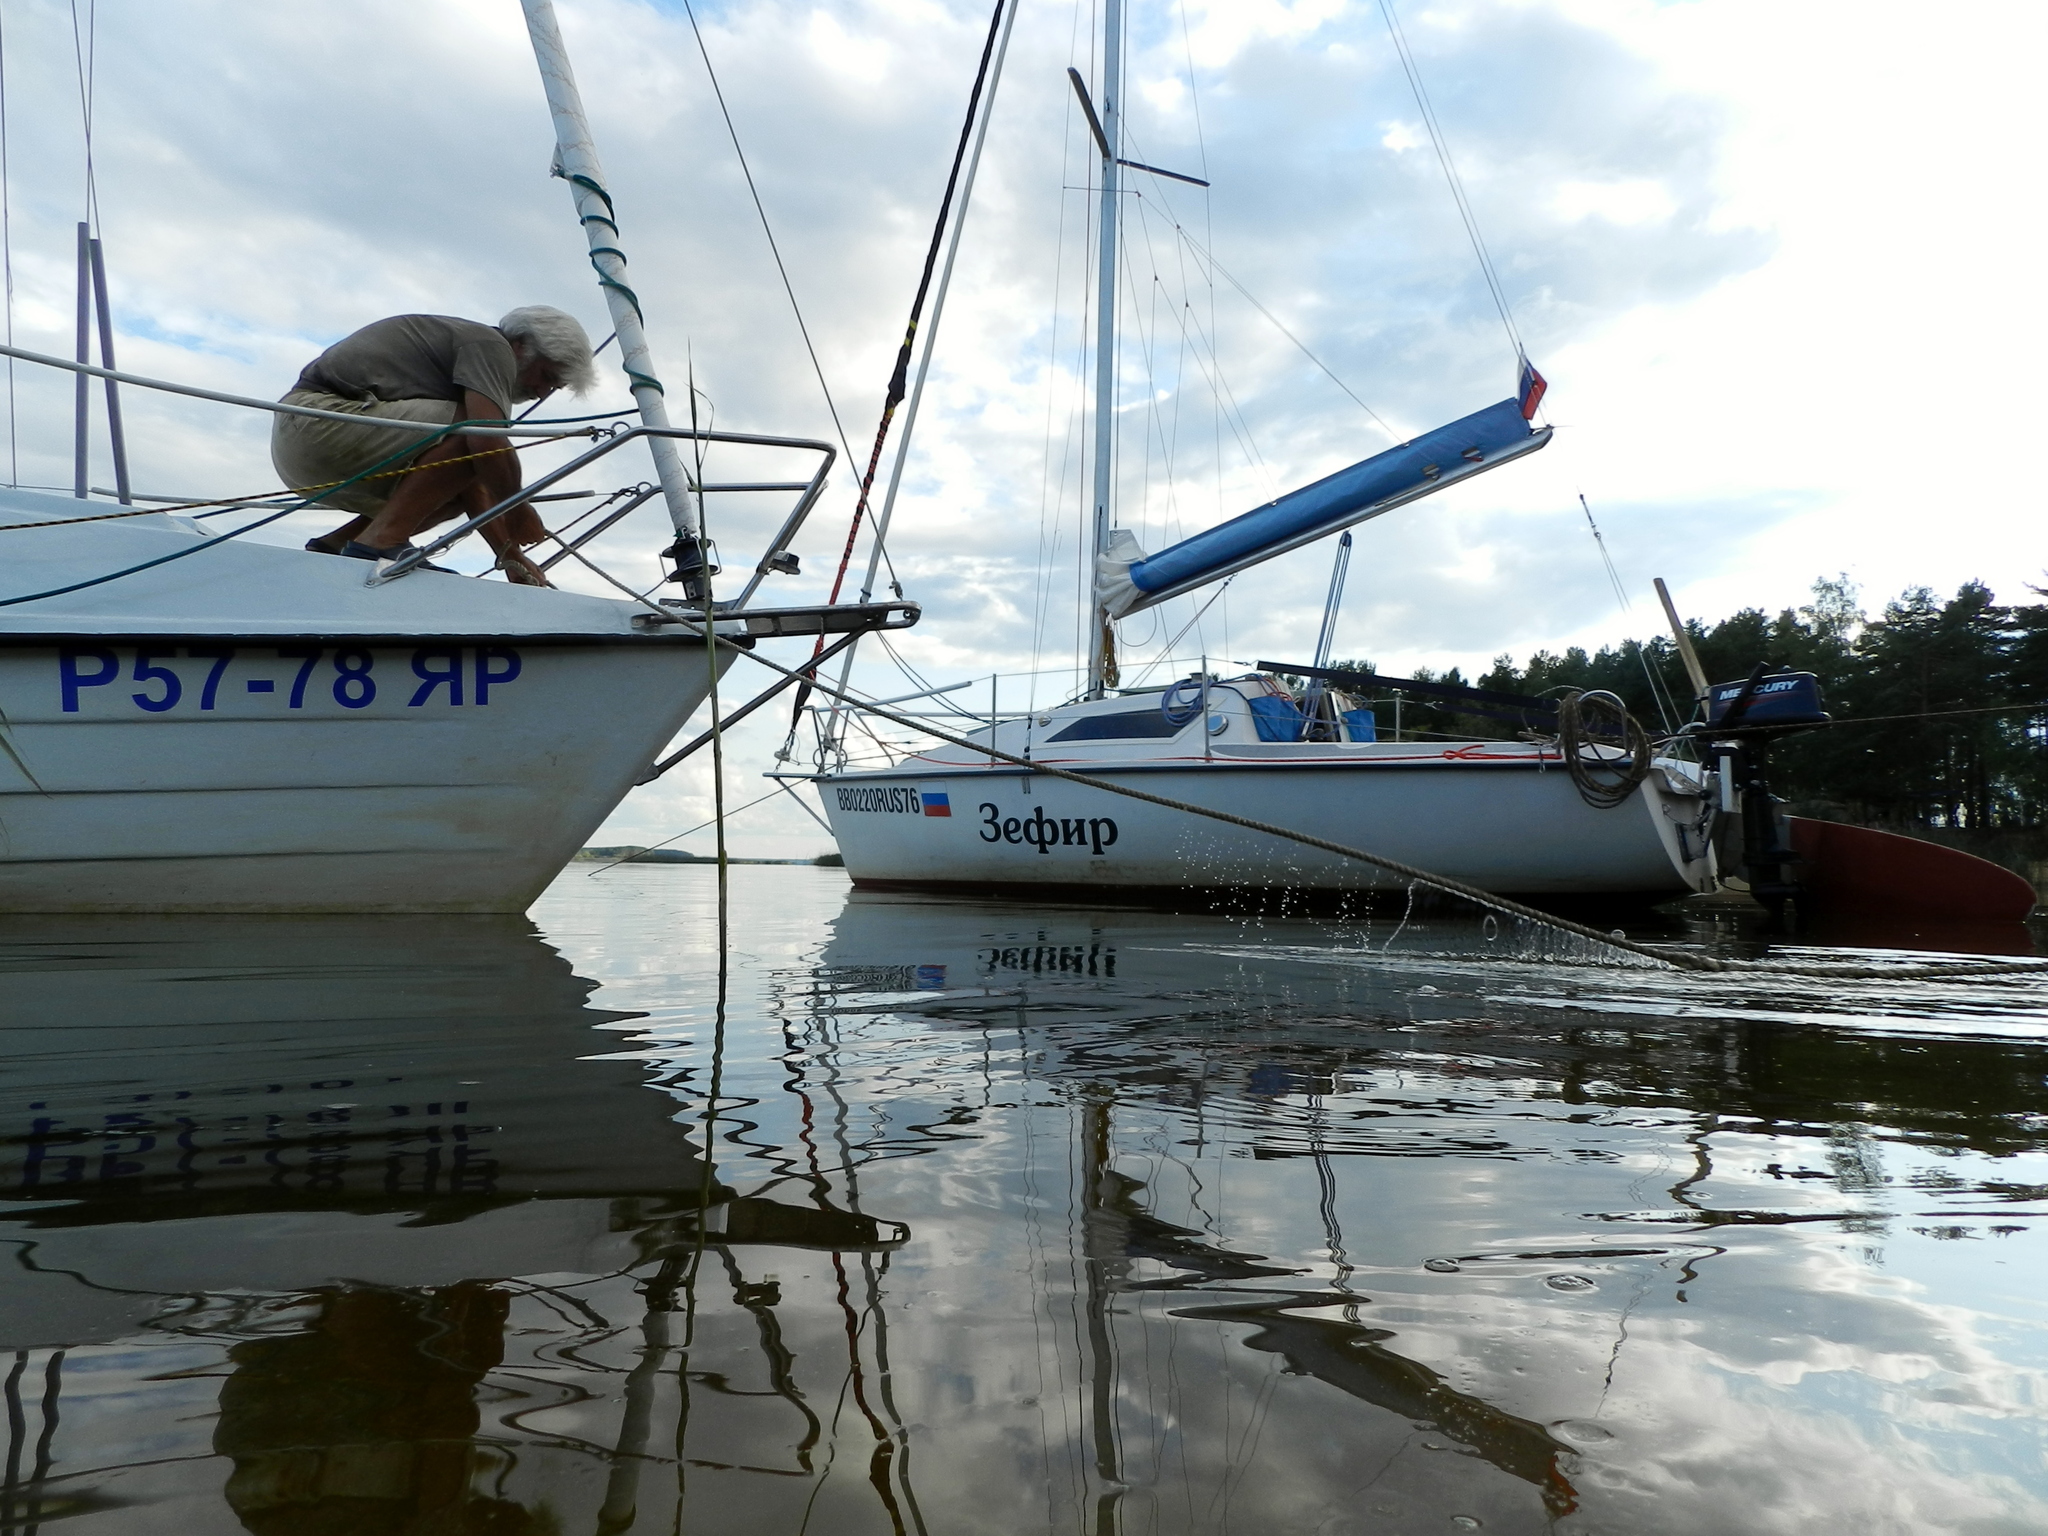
[1127, 579]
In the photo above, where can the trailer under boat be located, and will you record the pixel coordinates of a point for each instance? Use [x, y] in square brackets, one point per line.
[1507, 816]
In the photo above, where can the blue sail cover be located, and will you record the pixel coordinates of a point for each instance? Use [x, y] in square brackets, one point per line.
[1378, 484]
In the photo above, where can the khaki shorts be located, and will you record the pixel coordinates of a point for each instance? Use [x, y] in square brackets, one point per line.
[310, 451]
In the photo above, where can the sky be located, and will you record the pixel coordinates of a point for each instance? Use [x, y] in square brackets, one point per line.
[1773, 258]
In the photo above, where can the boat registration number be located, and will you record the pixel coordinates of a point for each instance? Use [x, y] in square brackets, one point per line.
[158, 680]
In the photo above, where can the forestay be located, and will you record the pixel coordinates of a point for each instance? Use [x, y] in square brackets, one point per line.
[1127, 579]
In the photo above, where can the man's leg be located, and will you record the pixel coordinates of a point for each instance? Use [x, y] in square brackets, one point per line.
[425, 494]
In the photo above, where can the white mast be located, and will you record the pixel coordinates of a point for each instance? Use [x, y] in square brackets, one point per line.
[1099, 659]
[576, 162]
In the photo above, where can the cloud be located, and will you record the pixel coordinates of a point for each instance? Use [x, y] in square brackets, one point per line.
[1734, 254]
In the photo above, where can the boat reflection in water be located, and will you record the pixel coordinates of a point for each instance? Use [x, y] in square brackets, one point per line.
[1623, 1250]
[342, 1168]
[1193, 1224]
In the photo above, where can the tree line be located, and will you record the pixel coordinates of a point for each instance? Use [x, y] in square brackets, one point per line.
[1908, 672]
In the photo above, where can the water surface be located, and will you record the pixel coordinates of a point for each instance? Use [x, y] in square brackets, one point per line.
[961, 1217]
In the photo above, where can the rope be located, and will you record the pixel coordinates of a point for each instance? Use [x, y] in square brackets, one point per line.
[629, 858]
[1602, 782]
[1450, 885]
[899, 376]
[229, 503]
[206, 544]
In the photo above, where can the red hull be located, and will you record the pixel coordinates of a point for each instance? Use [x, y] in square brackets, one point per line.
[1854, 869]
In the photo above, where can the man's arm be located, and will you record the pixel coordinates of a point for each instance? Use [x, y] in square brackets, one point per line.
[499, 478]
[499, 473]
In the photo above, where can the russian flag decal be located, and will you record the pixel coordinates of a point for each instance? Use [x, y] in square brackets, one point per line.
[935, 801]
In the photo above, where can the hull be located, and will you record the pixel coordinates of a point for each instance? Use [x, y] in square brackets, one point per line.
[1507, 822]
[256, 729]
[453, 774]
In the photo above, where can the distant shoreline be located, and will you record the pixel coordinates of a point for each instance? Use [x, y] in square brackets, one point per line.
[633, 854]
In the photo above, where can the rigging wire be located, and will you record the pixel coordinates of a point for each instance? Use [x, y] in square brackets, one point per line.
[1450, 170]
[899, 377]
[85, 53]
[1208, 258]
[1657, 690]
[1166, 654]
[7, 262]
[1048, 500]
[774, 250]
[973, 169]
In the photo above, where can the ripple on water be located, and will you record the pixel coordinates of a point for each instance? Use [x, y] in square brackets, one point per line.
[1004, 1215]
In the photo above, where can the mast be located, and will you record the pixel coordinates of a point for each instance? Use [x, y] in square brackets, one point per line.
[576, 162]
[1101, 661]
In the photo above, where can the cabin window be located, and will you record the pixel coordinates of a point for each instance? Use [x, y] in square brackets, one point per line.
[1130, 725]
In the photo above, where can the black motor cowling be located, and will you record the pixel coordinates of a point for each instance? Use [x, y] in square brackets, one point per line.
[1742, 720]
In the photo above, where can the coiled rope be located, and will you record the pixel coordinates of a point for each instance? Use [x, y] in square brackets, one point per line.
[1590, 726]
[1450, 885]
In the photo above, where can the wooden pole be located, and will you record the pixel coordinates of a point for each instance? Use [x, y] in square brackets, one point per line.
[1693, 669]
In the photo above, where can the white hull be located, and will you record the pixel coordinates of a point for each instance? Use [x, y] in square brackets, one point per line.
[1512, 830]
[467, 806]
[254, 729]
[1505, 816]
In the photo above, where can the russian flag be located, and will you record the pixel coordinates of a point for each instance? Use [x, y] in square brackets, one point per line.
[935, 801]
[1530, 389]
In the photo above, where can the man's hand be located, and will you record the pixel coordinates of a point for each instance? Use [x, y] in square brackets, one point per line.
[521, 571]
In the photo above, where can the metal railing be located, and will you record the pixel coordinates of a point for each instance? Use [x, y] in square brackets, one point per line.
[618, 438]
[610, 439]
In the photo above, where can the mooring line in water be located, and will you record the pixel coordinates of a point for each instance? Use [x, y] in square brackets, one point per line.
[1446, 883]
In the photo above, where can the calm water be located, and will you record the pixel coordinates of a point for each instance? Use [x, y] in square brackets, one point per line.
[970, 1218]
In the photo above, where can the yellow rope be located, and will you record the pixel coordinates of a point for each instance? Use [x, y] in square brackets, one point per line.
[233, 501]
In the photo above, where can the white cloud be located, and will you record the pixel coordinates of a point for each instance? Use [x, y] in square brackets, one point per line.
[1400, 136]
[1771, 261]
[1637, 201]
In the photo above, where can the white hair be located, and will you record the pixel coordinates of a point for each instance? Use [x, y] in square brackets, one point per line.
[556, 337]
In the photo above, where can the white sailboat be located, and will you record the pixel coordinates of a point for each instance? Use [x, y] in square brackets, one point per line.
[1518, 817]
[195, 723]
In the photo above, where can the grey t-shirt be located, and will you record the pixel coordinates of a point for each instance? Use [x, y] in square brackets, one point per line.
[417, 357]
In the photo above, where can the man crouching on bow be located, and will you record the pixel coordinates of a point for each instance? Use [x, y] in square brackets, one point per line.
[428, 368]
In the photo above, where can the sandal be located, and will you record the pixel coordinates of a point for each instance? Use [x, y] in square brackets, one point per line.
[355, 549]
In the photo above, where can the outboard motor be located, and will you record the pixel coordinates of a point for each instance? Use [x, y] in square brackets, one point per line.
[1743, 720]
